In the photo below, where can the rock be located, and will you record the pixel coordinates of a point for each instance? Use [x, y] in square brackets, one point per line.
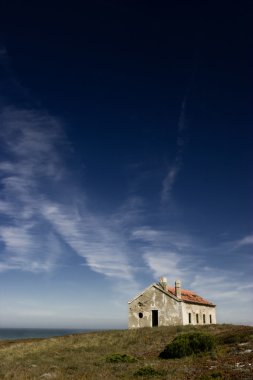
[48, 375]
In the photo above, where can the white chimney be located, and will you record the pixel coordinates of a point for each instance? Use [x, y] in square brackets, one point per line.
[178, 289]
[163, 282]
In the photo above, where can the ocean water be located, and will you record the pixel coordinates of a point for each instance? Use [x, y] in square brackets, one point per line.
[13, 333]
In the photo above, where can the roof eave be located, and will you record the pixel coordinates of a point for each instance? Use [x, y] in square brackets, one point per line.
[158, 288]
[140, 294]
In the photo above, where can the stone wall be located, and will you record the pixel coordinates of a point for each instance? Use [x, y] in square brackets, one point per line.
[199, 314]
[140, 309]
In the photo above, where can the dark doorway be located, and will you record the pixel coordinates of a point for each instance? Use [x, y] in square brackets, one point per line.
[154, 318]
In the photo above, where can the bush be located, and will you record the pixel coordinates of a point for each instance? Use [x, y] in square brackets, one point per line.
[119, 358]
[188, 344]
[148, 371]
[216, 375]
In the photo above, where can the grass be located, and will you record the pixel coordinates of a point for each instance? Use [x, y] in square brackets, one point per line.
[129, 354]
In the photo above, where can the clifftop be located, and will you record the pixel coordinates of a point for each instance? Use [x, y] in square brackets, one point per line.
[84, 356]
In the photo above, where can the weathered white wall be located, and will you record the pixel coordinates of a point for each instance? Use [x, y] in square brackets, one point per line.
[200, 310]
[169, 310]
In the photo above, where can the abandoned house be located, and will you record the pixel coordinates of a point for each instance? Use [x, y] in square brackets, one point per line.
[163, 305]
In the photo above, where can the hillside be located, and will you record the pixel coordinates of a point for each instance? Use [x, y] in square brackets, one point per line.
[85, 356]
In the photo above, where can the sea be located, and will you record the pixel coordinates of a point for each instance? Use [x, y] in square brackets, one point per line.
[24, 333]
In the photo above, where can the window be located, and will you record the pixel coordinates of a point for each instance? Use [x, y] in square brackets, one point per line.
[210, 319]
[204, 318]
[190, 317]
[197, 318]
[140, 315]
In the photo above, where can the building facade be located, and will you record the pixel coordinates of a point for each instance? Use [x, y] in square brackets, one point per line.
[162, 305]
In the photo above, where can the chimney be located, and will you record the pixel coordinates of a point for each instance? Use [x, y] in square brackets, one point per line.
[163, 282]
[178, 289]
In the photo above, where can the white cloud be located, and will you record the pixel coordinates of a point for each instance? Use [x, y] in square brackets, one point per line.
[163, 238]
[164, 263]
[39, 201]
[229, 290]
[173, 171]
[230, 247]
[247, 240]
[25, 248]
[167, 253]
[95, 239]
[42, 213]
[169, 181]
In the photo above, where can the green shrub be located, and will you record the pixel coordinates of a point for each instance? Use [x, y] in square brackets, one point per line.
[188, 344]
[119, 358]
[148, 371]
[216, 375]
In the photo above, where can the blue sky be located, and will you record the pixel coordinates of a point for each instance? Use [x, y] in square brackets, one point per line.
[126, 150]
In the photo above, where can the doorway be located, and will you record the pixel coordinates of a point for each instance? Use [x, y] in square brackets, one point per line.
[154, 318]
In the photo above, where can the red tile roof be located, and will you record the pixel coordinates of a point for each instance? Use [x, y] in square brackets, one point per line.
[189, 296]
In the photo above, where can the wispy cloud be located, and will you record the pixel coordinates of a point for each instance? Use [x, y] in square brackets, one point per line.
[43, 211]
[229, 289]
[95, 239]
[167, 252]
[30, 159]
[164, 262]
[163, 238]
[230, 247]
[247, 240]
[175, 167]
[45, 216]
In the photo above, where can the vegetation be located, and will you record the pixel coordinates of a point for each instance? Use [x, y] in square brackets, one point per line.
[148, 371]
[188, 344]
[92, 355]
[120, 358]
[212, 376]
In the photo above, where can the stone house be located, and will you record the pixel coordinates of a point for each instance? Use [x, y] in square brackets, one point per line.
[163, 305]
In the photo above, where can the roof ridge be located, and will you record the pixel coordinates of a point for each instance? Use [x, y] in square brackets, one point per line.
[190, 296]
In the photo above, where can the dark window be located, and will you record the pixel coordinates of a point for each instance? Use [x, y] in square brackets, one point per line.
[190, 318]
[211, 319]
[204, 318]
[197, 318]
[140, 315]
[154, 318]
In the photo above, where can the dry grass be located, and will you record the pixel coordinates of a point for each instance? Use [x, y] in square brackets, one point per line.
[83, 356]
